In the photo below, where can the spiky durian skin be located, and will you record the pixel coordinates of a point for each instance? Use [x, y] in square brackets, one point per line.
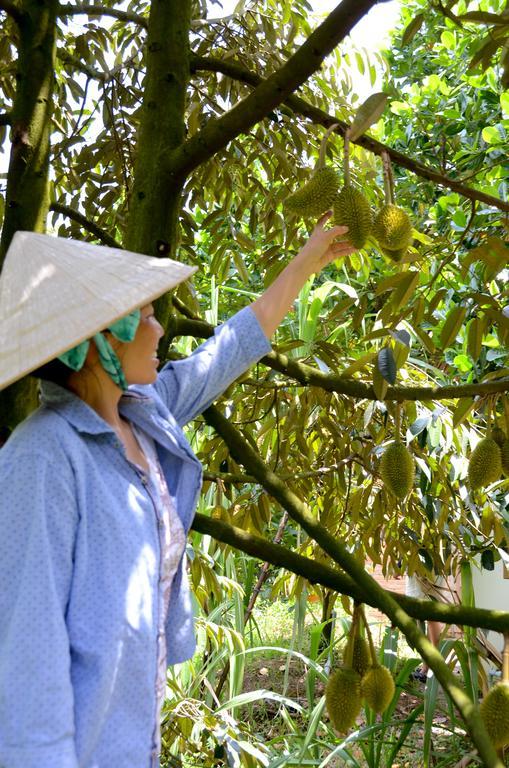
[494, 711]
[392, 227]
[352, 209]
[485, 465]
[317, 196]
[498, 435]
[343, 698]
[377, 688]
[397, 255]
[397, 468]
[361, 657]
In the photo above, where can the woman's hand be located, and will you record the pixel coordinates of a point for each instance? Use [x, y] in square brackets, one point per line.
[324, 246]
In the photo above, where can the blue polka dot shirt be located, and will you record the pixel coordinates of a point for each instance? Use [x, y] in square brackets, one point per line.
[79, 564]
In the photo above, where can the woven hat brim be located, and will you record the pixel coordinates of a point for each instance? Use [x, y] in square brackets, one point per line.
[55, 293]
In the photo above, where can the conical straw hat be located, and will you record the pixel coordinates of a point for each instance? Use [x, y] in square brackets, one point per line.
[55, 293]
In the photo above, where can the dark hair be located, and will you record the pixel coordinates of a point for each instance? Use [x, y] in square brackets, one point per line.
[54, 371]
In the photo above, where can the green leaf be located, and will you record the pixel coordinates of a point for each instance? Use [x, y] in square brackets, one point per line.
[491, 135]
[419, 425]
[380, 385]
[494, 253]
[463, 409]
[448, 39]
[405, 289]
[412, 29]
[368, 113]
[387, 365]
[474, 337]
[453, 323]
[488, 560]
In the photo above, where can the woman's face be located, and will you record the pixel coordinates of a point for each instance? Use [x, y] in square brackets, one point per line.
[139, 356]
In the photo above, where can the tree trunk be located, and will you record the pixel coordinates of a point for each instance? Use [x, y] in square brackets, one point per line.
[27, 179]
[156, 196]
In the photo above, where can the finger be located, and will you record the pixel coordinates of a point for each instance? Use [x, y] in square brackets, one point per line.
[339, 245]
[343, 247]
[324, 219]
[337, 231]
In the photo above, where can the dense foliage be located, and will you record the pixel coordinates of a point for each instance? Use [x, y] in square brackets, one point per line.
[421, 343]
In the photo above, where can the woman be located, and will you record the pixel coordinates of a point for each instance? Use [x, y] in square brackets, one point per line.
[98, 493]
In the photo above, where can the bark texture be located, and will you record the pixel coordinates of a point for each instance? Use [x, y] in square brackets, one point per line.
[27, 179]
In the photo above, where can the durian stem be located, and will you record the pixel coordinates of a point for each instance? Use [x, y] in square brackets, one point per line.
[323, 146]
[505, 660]
[346, 158]
[397, 421]
[387, 173]
[372, 650]
[489, 415]
[348, 657]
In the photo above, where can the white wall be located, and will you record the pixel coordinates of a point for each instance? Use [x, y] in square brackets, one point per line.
[492, 591]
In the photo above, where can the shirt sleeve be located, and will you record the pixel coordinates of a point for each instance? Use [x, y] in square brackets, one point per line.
[189, 386]
[38, 521]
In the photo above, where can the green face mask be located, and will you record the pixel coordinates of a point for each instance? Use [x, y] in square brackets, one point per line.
[123, 330]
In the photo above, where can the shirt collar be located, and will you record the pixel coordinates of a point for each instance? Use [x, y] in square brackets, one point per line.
[76, 411]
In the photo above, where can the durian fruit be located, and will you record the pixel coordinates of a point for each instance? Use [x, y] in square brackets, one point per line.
[377, 688]
[392, 228]
[352, 209]
[317, 196]
[396, 255]
[485, 465]
[494, 711]
[343, 698]
[498, 436]
[397, 468]
[361, 657]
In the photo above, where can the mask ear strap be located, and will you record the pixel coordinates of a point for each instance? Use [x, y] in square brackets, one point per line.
[123, 330]
[110, 361]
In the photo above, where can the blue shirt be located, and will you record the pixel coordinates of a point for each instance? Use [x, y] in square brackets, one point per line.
[79, 563]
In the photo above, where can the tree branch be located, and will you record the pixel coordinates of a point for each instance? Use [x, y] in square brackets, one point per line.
[217, 133]
[230, 478]
[243, 453]
[309, 376]
[12, 10]
[316, 115]
[101, 10]
[6, 118]
[85, 223]
[319, 573]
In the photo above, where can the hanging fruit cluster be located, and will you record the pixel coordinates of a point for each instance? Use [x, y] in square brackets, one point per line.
[360, 678]
[391, 226]
[489, 460]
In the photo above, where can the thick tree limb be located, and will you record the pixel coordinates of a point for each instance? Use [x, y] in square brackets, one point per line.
[101, 235]
[6, 118]
[217, 133]
[11, 10]
[319, 573]
[309, 376]
[102, 10]
[243, 453]
[316, 115]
